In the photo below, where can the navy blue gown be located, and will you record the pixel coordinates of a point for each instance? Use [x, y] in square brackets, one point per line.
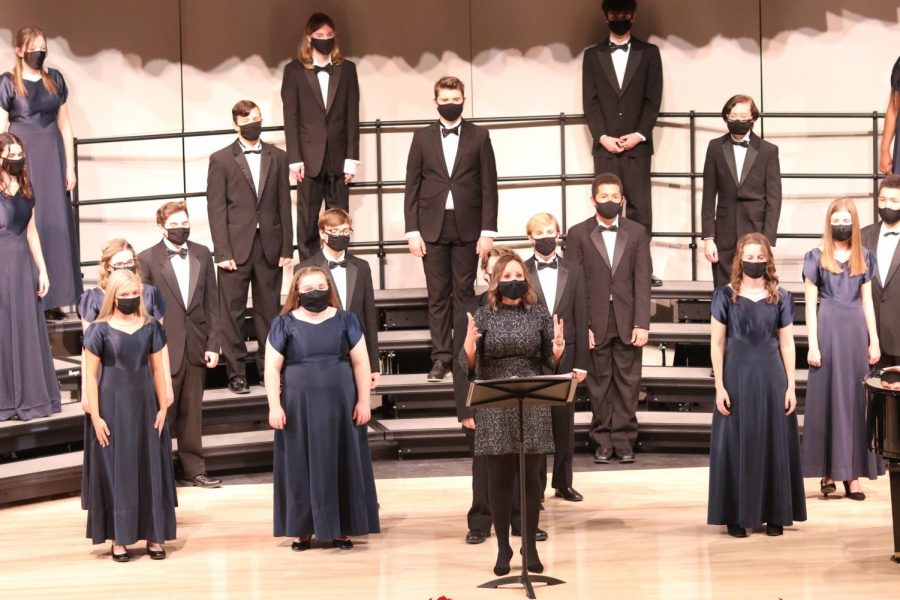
[32, 118]
[131, 483]
[834, 427]
[28, 385]
[895, 87]
[323, 479]
[754, 455]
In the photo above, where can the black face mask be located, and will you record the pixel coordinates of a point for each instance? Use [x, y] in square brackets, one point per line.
[132, 268]
[251, 131]
[14, 166]
[739, 127]
[545, 246]
[620, 27]
[888, 215]
[35, 59]
[338, 243]
[513, 290]
[754, 270]
[608, 210]
[315, 301]
[128, 306]
[841, 233]
[322, 46]
[178, 235]
[450, 112]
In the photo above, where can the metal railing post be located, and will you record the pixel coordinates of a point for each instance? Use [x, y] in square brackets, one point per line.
[692, 143]
[379, 194]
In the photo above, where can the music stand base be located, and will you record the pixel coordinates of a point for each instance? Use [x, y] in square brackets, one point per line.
[525, 580]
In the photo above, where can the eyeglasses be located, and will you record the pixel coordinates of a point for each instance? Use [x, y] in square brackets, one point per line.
[339, 232]
[123, 265]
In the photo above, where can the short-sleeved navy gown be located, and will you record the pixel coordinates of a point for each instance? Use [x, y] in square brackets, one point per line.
[323, 479]
[834, 425]
[28, 385]
[32, 118]
[131, 484]
[754, 456]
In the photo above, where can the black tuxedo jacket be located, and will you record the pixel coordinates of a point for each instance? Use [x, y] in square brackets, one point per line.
[625, 276]
[473, 181]
[190, 330]
[234, 207]
[311, 127]
[570, 305]
[360, 297]
[885, 294]
[738, 203]
[634, 107]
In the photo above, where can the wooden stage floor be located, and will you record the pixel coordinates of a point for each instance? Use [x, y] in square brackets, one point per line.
[638, 534]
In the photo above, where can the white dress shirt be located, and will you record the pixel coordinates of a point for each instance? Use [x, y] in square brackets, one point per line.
[620, 63]
[740, 153]
[338, 274]
[548, 279]
[324, 77]
[887, 246]
[182, 268]
[253, 161]
[609, 240]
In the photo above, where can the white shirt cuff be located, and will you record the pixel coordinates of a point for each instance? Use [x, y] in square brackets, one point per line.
[296, 165]
[579, 370]
[350, 166]
[640, 135]
[412, 234]
[488, 233]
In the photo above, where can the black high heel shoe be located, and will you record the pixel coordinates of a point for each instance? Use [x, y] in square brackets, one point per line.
[122, 558]
[342, 544]
[501, 567]
[859, 496]
[301, 545]
[774, 530]
[156, 554]
[735, 531]
[827, 488]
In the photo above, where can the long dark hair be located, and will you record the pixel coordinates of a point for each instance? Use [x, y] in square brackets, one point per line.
[493, 292]
[6, 140]
[737, 267]
[293, 299]
[304, 51]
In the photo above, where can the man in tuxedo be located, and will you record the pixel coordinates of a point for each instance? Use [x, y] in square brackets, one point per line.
[622, 92]
[881, 240]
[320, 95]
[451, 211]
[351, 278]
[741, 187]
[559, 284]
[183, 273]
[614, 253]
[249, 206]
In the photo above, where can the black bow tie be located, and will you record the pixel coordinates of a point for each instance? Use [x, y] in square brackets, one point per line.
[340, 263]
[742, 143]
[612, 228]
[252, 151]
[182, 253]
[329, 68]
[447, 131]
[548, 265]
[613, 47]
[887, 233]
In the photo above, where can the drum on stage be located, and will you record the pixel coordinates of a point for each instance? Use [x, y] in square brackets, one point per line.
[883, 425]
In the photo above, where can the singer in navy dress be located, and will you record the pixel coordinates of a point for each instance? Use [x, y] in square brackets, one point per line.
[33, 117]
[28, 385]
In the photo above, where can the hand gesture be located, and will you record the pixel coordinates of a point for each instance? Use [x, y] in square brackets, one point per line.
[277, 418]
[559, 338]
[790, 401]
[874, 353]
[361, 413]
[299, 172]
[483, 245]
[639, 336]
[611, 144]
[211, 359]
[284, 261]
[417, 246]
[160, 421]
[102, 431]
[348, 177]
[591, 342]
[710, 251]
[814, 357]
[43, 284]
[469, 423]
[228, 265]
[886, 163]
[723, 402]
[579, 376]
[627, 142]
[472, 333]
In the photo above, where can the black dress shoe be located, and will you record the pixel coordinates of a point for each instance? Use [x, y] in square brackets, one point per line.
[738, 532]
[238, 385]
[300, 546]
[204, 481]
[774, 530]
[156, 554]
[501, 567]
[54, 314]
[123, 558]
[342, 544]
[859, 496]
[602, 456]
[475, 537]
[438, 371]
[569, 494]
[539, 535]
[626, 457]
[827, 488]
[655, 281]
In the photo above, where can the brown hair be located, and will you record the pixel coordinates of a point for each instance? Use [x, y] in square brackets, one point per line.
[293, 298]
[493, 292]
[334, 217]
[890, 182]
[304, 50]
[6, 140]
[168, 209]
[605, 179]
[740, 99]
[857, 261]
[118, 280]
[449, 82]
[23, 39]
[113, 247]
[494, 252]
[540, 221]
[737, 267]
[242, 108]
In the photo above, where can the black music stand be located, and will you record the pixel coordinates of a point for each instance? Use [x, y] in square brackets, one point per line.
[522, 392]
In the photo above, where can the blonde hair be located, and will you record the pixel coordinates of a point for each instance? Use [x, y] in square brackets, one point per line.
[541, 221]
[305, 51]
[118, 280]
[857, 261]
[23, 39]
[737, 267]
[113, 247]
